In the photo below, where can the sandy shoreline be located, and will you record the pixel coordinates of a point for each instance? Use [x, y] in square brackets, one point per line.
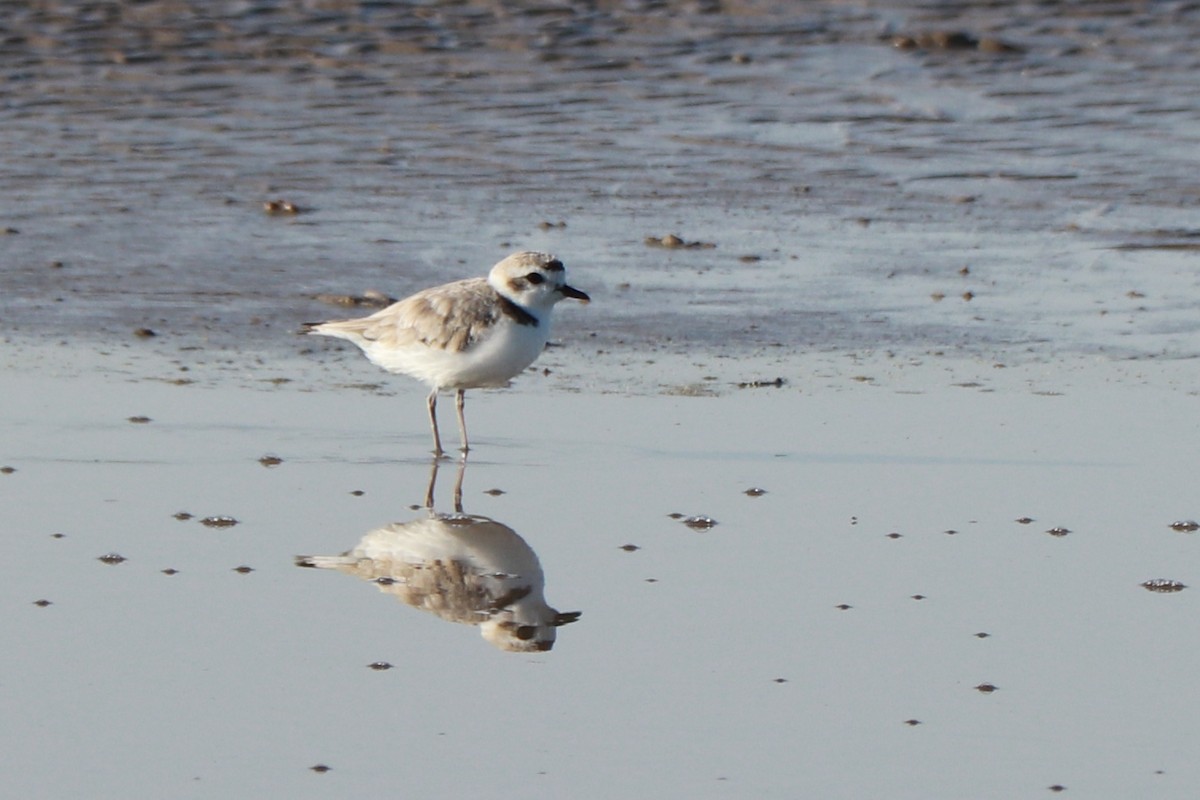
[298, 363]
[939, 315]
[835, 183]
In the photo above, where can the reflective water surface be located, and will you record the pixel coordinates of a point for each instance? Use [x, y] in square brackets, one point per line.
[895, 611]
[860, 465]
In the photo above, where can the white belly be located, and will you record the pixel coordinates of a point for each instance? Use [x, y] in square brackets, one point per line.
[494, 361]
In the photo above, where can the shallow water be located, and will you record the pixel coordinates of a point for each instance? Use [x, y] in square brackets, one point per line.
[705, 662]
[975, 272]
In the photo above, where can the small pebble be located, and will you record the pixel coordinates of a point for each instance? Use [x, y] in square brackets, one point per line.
[371, 298]
[672, 241]
[1164, 585]
[280, 207]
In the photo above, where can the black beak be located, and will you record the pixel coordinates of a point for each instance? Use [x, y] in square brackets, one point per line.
[565, 617]
[572, 292]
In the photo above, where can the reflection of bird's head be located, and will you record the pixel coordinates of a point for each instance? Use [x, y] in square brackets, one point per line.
[518, 636]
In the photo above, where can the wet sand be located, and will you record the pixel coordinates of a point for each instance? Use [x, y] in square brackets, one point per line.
[925, 388]
[827, 634]
[855, 193]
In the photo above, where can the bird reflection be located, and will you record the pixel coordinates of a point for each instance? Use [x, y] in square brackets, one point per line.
[463, 567]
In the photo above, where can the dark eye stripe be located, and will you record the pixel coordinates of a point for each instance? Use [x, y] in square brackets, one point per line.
[535, 278]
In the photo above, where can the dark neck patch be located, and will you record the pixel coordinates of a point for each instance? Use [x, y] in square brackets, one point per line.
[516, 313]
[509, 598]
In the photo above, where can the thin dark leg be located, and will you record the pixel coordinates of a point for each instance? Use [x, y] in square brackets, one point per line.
[433, 471]
[458, 482]
[437, 439]
[460, 399]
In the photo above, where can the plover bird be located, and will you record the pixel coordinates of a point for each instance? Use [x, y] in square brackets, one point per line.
[464, 568]
[470, 334]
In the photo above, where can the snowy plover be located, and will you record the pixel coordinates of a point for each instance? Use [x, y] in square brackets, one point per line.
[464, 568]
[475, 333]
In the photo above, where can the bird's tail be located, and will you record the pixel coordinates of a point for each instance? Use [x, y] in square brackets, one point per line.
[324, 562]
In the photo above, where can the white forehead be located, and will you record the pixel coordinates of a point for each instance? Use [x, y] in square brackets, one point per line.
[521, 263]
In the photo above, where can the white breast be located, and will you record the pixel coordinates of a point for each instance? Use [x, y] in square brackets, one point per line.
[506, 350]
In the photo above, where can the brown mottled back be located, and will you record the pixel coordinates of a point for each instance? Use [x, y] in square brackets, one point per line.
[449, 317]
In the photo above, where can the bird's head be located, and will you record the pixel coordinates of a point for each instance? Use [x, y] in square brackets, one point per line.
[533, 280]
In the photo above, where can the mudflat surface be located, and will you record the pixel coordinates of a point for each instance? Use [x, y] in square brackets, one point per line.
[921, 375]
[851, 173]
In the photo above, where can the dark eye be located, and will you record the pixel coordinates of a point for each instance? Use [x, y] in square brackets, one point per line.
[535, 278]
[525, 632]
